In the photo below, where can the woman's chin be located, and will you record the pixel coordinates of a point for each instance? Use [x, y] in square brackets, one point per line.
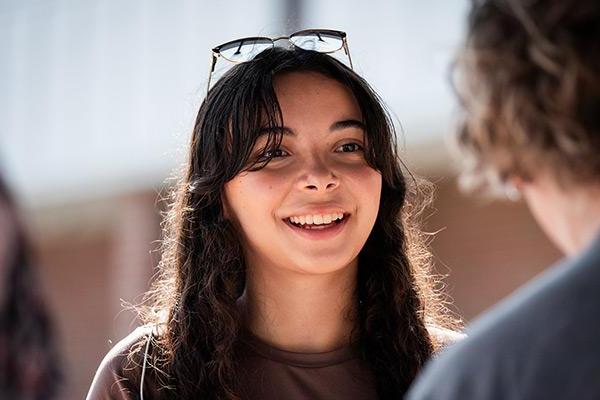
[320, 265]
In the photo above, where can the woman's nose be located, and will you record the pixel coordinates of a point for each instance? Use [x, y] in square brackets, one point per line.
[319, 177]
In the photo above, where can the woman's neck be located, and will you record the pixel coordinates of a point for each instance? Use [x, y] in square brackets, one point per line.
[299, 312]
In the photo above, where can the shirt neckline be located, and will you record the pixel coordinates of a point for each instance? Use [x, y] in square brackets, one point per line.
[306, 360]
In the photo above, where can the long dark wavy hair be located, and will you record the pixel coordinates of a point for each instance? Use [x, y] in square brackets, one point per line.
[29, 364]
[202, 271]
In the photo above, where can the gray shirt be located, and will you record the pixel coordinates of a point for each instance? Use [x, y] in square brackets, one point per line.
[543, 342]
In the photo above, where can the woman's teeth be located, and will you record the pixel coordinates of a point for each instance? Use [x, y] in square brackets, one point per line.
[316, 219]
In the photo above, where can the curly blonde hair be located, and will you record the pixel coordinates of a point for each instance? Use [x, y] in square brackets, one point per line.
[529, 82]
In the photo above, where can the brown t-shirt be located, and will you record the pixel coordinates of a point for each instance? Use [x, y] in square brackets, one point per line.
[265, 373]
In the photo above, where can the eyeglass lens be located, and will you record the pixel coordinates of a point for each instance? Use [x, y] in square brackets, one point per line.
[245, 49]
[323, 42]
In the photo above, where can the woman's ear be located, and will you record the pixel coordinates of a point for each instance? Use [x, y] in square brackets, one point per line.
[225, 209]
[517, 182]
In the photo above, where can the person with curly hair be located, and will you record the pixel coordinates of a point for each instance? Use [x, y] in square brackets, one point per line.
[30, 367]
[292, 266]
[529, 79]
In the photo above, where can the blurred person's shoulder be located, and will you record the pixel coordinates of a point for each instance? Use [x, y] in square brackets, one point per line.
[522, 342]
[122, 370]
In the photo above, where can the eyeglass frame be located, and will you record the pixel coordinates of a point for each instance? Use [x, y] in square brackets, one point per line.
[216, 51]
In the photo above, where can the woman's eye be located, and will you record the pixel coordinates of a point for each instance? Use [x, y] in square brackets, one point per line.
[349, 148]
[275, 153]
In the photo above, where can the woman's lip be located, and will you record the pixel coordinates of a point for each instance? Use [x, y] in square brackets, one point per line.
[319, 233]
[319, 211]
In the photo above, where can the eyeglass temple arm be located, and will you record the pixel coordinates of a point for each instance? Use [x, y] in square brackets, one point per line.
[347, 51]
[213, 62]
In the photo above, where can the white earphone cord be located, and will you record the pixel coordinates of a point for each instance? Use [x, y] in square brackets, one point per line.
[144, 367]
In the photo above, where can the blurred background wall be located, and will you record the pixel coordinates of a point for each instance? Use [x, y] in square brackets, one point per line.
[97, 101]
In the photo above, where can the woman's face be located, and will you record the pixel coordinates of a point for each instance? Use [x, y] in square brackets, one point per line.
[312, 208]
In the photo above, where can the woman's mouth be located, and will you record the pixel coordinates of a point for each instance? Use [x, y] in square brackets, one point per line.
[318, 225]
[316, 221]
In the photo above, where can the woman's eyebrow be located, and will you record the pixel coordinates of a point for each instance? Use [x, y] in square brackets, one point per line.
[336, 126]
[281, 129]
[347, 123]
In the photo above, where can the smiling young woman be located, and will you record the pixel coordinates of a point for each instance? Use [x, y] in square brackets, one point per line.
[289, 267]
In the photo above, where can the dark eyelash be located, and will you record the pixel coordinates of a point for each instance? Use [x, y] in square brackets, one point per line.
[267, 155]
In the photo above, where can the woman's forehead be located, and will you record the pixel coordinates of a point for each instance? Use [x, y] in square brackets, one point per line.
[313, 98]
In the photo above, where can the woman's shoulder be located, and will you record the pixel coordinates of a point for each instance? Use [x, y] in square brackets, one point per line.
[119, 375]
[443, 337]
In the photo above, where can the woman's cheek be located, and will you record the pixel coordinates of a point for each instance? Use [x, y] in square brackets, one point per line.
[264, 187]
[361, 173]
